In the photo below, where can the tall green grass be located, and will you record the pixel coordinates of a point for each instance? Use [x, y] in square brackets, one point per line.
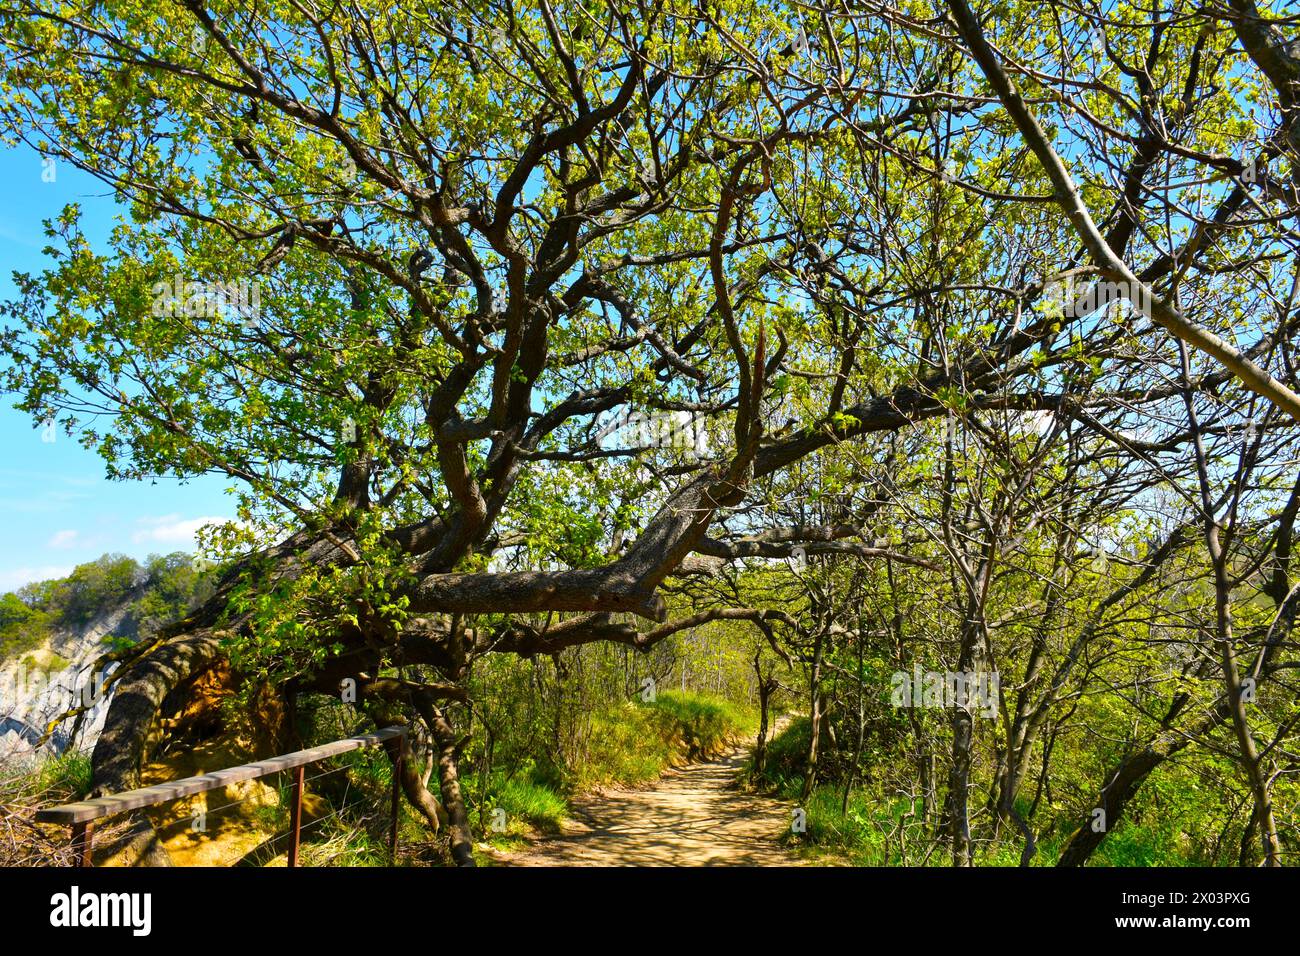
[866, 831]
[701, 724]
[529, 801]
[626, 745]
[26, 787]
[51, 780]
[638, 741]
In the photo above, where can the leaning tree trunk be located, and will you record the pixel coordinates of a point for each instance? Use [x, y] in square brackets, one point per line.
[1120, 788]
[138, 696]
[444, 736]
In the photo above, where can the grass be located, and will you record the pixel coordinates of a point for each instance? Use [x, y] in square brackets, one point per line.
[345, 843]
[531, 802]
[29, 787]
[867, 831]
[703, 725]
[53, 780]
[625, 746]
[637, 742]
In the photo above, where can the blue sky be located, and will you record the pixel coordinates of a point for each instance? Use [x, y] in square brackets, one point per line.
[58, 510]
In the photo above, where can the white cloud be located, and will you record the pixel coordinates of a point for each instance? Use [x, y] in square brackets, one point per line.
[62, 539]
[14, 578]
[173, 529]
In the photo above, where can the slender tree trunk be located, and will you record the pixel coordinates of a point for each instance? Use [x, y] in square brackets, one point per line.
[924, 758]
[963, 723]
[814, 715]
[766, 686]
[1250, 758]
[1214, 542]
[862, 726]
[958, 787]
[760, 751]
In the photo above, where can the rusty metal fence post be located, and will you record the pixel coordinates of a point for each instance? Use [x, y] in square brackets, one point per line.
[83, 836]
[295, 816]
[81, 816]
[396, 809]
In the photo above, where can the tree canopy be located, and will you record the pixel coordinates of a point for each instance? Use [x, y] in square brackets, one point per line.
[518, 328]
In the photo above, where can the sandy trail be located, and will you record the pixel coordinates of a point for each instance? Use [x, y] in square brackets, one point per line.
[688, 817]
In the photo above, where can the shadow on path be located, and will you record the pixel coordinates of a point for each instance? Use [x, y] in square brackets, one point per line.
[688, 817]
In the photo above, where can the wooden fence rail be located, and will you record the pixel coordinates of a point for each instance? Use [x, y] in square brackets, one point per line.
[81, 816]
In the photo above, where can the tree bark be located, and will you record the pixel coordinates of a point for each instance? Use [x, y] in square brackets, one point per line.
[444, 735]
[137, 697]
[766, 685]
[814, 715]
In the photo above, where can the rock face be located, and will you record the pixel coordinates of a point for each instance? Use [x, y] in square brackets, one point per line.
[38, 686]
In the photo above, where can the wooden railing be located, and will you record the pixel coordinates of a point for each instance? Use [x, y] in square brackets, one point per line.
[81, 816]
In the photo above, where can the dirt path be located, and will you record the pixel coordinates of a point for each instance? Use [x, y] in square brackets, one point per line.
[688, 817]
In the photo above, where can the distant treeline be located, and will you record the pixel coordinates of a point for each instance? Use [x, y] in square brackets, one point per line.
[157, 591]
